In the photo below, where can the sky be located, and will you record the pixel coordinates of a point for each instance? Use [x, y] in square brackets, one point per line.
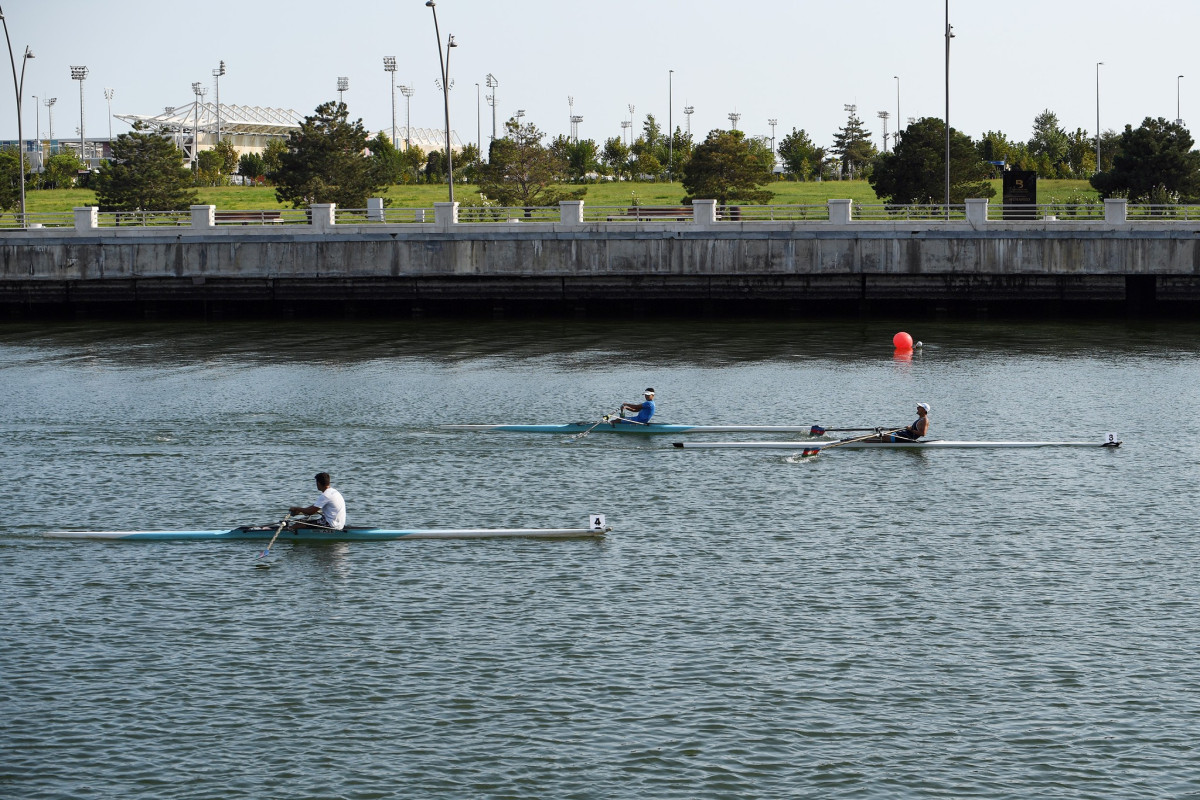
[797, 61]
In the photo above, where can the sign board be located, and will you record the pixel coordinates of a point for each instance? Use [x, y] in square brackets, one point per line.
[1020, 189]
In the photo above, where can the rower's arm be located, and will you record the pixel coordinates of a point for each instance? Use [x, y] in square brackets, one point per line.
[307, 511]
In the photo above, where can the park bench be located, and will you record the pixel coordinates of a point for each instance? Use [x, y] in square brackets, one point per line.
[680, 213]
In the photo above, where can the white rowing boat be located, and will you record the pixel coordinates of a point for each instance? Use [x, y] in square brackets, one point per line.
[928, 444]
[596, 527]
[619, 425]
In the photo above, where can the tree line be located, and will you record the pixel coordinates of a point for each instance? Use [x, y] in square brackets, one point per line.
[331, 159]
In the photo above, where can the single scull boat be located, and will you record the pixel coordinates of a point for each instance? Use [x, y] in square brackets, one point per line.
[596, 527]
[617, 425]
[931, 444]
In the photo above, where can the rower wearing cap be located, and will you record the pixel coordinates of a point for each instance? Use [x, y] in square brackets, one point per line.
[915, 431]
[644, 409]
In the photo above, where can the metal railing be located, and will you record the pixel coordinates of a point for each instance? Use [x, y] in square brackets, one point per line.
[778, 213]
[471, 214]
[143, 219]
[887, 212]
[1041, 213]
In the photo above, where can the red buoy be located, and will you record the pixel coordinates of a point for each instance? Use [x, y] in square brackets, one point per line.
[902, 341]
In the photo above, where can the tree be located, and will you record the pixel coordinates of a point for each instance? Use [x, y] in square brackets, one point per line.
[252, 166]
[326, 162]
[853, 146]
[272, 156]
[616, 156]
[1081, 153]
[60, 170]
[915, 172]
[800, 156]
[1049, 142]
[208, 169]
[10, 178]
[521, 172]
[386, 160]
[467, 163]
[580, 156]
[146, 173]
[1156, 159]
[726, 167]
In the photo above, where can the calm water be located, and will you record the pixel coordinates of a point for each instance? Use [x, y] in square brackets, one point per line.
[998, 624]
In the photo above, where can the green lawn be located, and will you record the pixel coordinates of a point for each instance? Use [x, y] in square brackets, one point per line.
[600, 194]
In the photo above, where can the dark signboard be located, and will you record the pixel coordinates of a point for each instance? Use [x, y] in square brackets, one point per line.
[1020, 190]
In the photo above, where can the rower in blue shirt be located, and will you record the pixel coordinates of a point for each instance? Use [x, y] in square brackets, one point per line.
[644, 409]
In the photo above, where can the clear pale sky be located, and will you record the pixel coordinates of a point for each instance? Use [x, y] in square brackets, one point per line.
[798, 61]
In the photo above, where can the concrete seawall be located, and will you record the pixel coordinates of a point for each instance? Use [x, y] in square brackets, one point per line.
[613, 268]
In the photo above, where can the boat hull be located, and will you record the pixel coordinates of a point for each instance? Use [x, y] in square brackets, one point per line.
[934, 444]
[352, 534]
[620, 426]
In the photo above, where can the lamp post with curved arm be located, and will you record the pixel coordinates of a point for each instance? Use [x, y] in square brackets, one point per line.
[19, 86]
[444, 61]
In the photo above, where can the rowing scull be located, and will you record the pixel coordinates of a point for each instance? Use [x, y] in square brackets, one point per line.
[617, 425]
[932, 444]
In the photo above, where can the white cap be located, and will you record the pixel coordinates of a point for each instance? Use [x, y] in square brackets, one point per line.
[649, 391]
[924, 406]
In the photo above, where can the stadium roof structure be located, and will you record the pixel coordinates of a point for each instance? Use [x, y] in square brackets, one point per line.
[257, 120]
[234, 119]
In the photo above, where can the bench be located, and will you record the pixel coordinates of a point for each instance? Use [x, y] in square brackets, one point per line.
[246, 217]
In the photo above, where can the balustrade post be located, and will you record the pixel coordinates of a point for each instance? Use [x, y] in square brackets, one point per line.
[323, 215]
[841, 211]
[375, 209]
[445, 214]
[204, 216]
[977, 211]
[1116, 210]
[87, 219]
[704, 212]
[570, 212]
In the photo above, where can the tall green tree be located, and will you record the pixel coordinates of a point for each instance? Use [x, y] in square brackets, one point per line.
[61, 170]
[853, 146]
[1049, 144]
[10, 178]
[522, 172]
[915, 172]
[727, 167]
[800, 156]
[146, 173]
[209, 164]
[327, 162]
[252, 166]
[616, 156]
[272, 156]
[1152, 160]
[580, 156]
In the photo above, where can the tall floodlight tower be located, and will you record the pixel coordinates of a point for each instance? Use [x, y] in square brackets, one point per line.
[343, 85]
[772, 123]
[733, 120]
[199, 91]
[883, 115]
[407, 91]
[575, 120]
[80, 74]
[492, 83]
[49, 103]
[687, 112]
[389, 67]
[217, 73]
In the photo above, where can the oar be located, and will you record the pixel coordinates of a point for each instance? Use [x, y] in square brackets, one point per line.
[817, 430]
[813, 451]
[603, 420]
[267, 552]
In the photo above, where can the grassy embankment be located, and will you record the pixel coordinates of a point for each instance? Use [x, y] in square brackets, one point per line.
[601, 194]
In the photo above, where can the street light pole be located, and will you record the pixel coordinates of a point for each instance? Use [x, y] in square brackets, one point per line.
[444, 61]
[898, 117]
[407, 91]
[670, 121]
[1098, 65]
[478, 121]
[949, 36]
[19, 86]
[199, 91]
[80, 74]
[389, 67]
[217, 73]
[1178, 116]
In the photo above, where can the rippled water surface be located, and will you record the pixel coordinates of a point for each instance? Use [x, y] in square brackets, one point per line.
[976, 623]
